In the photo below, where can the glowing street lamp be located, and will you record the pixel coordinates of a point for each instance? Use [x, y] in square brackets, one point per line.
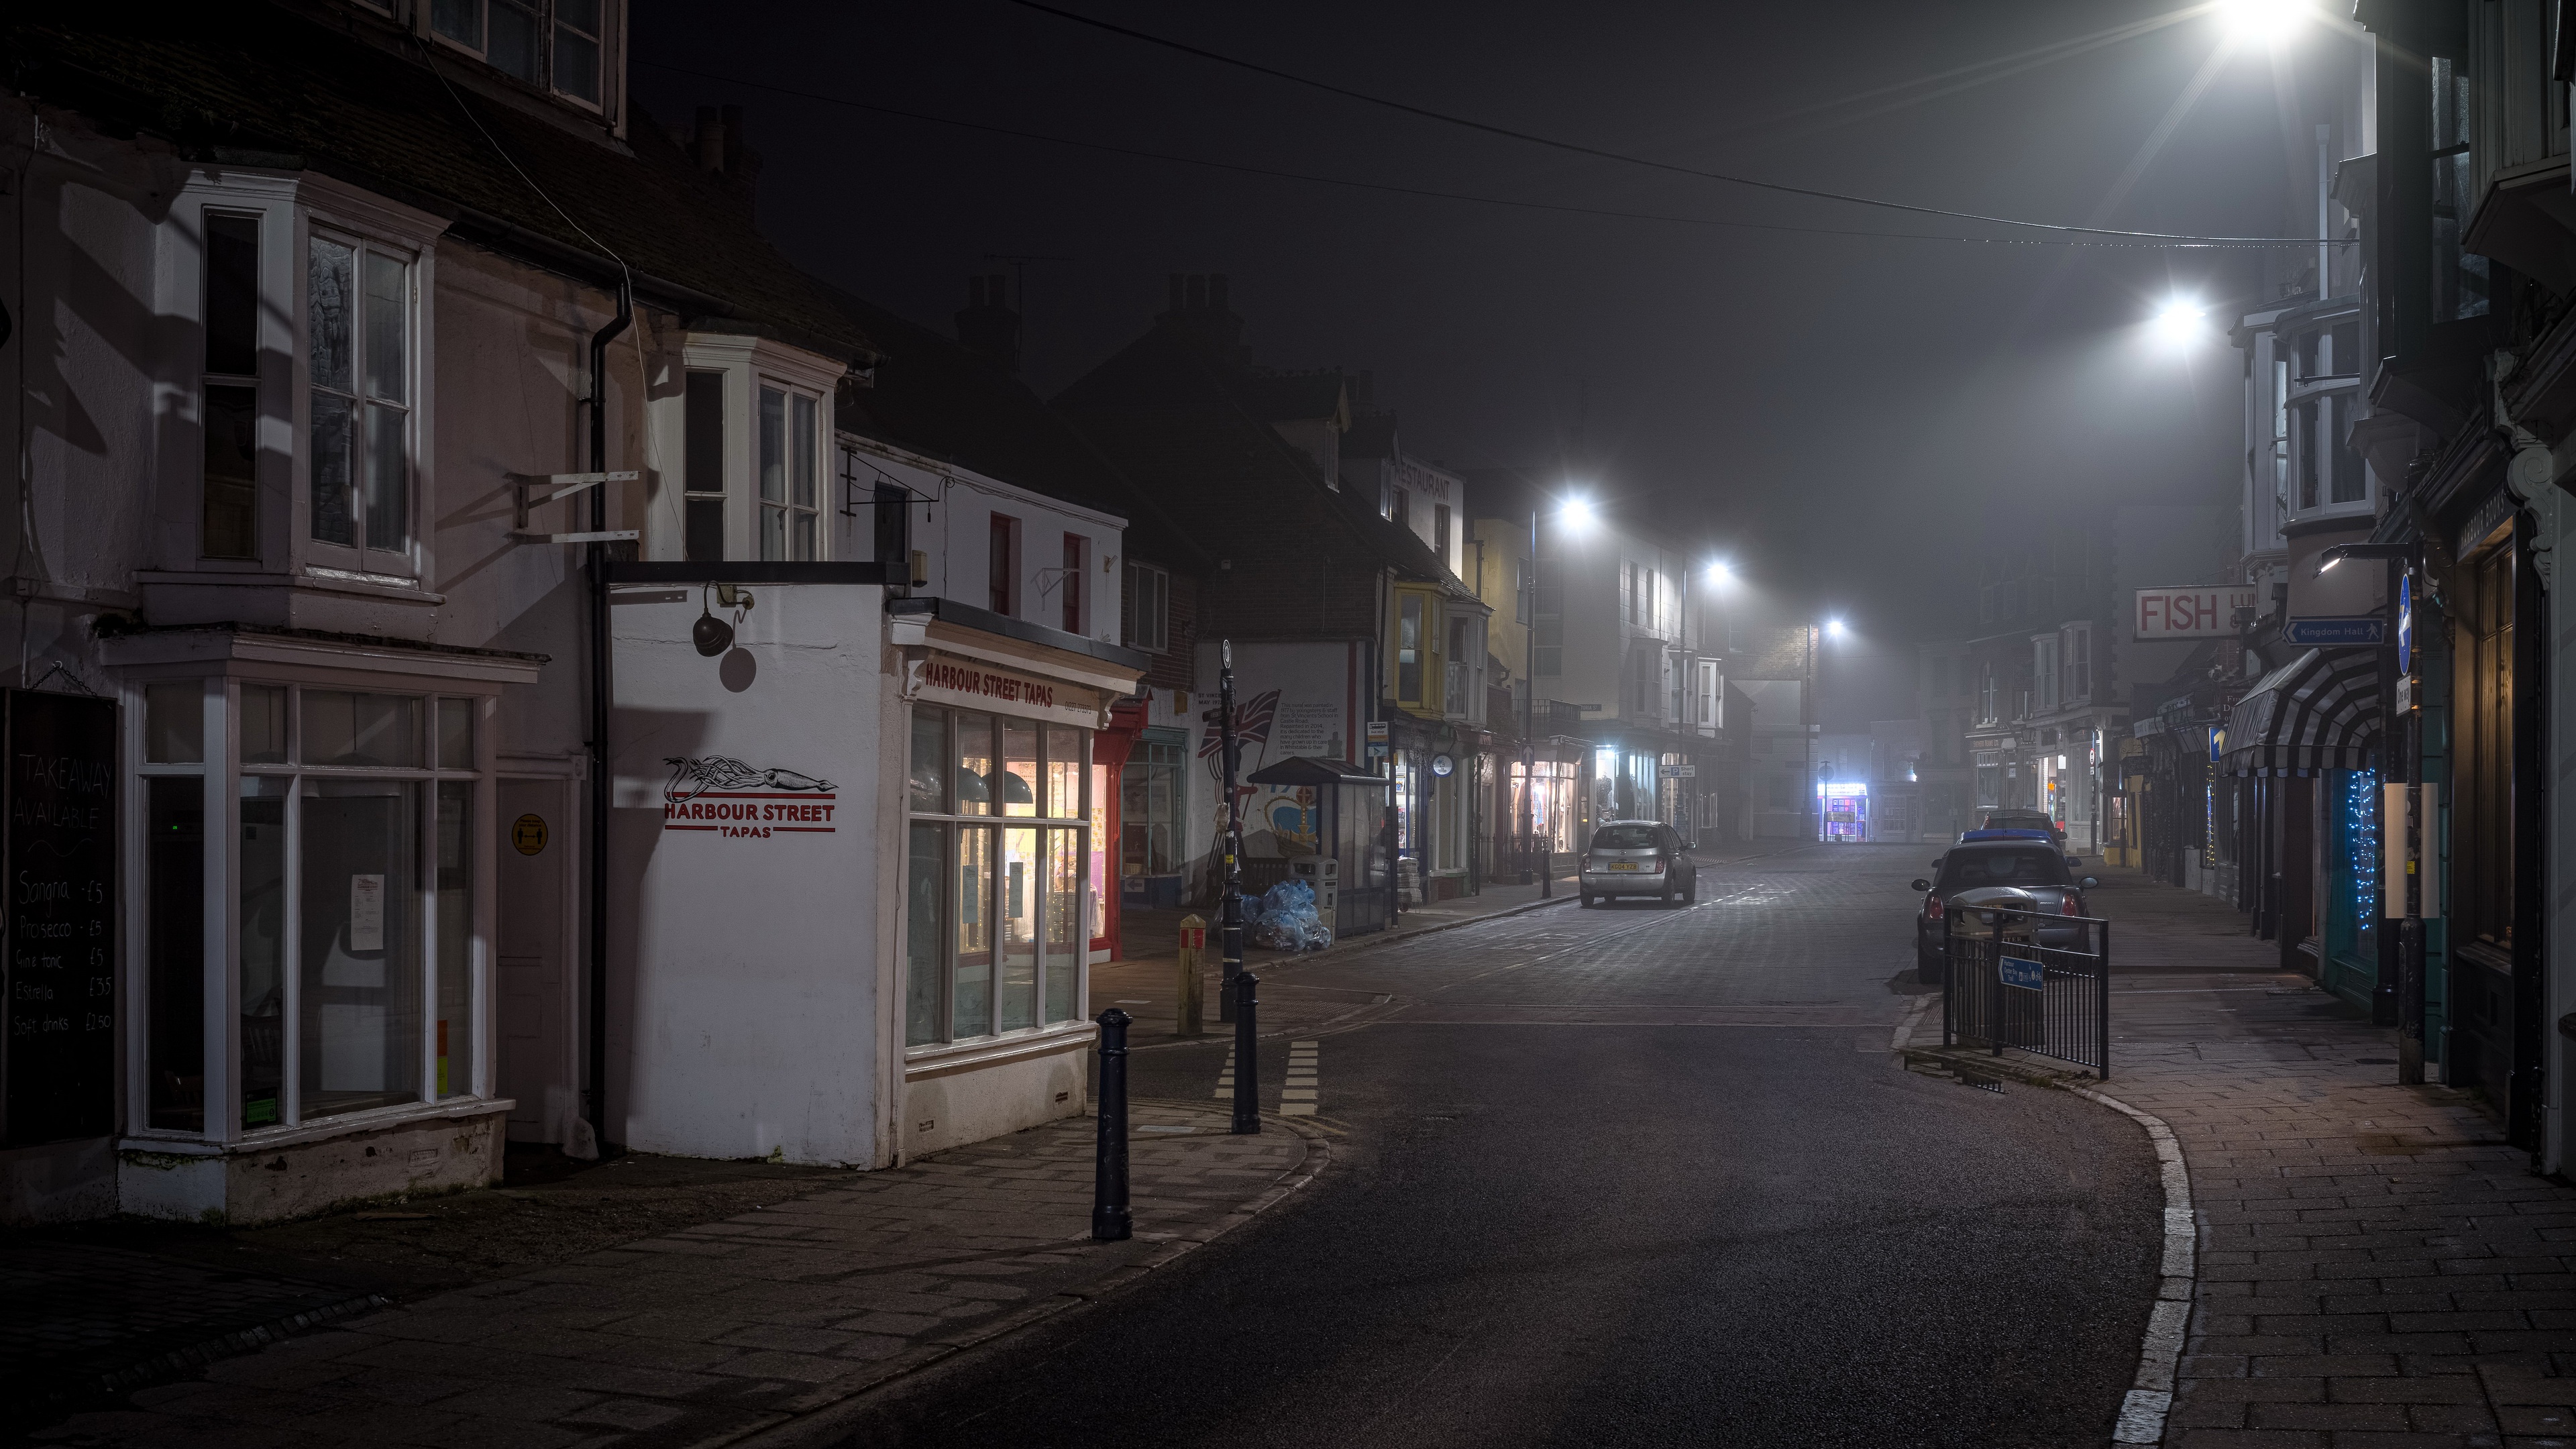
[2263, 21]
[1576, 513]
[1833, 628]
[2178, 321]
[1721, 574]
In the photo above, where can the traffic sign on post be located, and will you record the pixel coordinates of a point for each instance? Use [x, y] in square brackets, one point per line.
[2314, 632]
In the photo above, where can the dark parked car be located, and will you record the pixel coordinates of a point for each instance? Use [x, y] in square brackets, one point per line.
[2024, 820]
[1638, 858]
[2023, 861]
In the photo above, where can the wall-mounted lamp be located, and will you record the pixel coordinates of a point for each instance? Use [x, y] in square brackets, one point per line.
[712, 635]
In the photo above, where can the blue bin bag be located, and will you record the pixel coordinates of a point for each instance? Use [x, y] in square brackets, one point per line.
[1288, 921]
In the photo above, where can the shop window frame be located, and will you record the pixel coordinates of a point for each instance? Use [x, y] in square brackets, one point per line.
[952, 820]
[221, 768]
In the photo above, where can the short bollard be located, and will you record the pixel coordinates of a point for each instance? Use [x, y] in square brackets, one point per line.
[1193, 1012]
[1110, 1222]
[1247, 1055]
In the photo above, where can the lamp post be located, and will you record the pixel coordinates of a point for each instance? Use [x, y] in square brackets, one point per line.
[1546, 870]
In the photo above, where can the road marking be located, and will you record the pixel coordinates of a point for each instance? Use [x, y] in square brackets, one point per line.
[2150, 1399]
[1297, 1098]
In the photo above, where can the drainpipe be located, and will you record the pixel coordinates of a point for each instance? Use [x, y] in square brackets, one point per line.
[597, 562]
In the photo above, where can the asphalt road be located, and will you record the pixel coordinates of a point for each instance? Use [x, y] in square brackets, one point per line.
[1626, 1176]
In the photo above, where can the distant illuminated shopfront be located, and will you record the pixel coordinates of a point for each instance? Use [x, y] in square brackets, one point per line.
[1845, 810]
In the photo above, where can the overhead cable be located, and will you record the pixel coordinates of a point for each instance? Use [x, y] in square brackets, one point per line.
[1422, 191]
[1599, 153]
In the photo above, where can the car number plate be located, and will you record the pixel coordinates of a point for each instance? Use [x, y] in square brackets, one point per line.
[1623, 865]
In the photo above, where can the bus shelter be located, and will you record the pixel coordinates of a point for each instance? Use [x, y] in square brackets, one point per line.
[1350, 829]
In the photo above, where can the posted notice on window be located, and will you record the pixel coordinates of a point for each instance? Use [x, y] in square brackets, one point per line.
[366, 913]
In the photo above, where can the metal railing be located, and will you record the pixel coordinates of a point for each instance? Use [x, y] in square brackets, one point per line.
[1512, 855]
[2000, 988]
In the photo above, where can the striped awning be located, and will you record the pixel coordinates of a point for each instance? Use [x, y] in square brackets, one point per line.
[2320, 711]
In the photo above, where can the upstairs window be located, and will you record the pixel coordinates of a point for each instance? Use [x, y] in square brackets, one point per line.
[744, 431]
[2459, 277]
[789, 517]
[1002, 563]
[1074, 554]
[703, 468]
[359, 359]
[1418, 666]
[557, 45]
[1440, 532]
[230, 396]
[577, 32]
[1147, 608]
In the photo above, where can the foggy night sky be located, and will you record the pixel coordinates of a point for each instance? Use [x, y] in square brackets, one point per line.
[1833, 413]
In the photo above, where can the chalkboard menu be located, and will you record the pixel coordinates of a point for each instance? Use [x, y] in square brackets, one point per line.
[60, 924]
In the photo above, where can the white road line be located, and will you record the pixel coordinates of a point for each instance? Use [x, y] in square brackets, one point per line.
[2142, 1413]
[1297, 1099]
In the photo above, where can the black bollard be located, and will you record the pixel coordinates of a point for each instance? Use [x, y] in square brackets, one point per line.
[1110, 1222]
[1247, 1056]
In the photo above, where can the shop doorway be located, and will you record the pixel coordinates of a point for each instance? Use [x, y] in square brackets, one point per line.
[533, 977]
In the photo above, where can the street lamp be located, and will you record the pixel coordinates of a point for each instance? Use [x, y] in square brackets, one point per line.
[2178, 321]
[1831, 629]
[2264, 21]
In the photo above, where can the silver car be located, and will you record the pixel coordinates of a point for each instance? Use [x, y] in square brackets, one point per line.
[1638, 858]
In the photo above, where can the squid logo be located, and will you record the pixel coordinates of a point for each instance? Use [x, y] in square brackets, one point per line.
[691, 778]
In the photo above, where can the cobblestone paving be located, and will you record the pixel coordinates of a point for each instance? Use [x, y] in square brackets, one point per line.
[2376, 1267]
[77, 1320]
[702, 1336]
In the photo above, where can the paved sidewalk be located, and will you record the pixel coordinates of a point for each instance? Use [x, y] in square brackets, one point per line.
[741, 1327]
[2375, 1266]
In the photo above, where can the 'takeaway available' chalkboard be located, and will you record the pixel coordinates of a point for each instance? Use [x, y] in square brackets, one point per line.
[60, 856]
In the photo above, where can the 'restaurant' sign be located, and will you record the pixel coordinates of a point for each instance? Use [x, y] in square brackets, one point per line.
[736, 801]
[973, 684]
[2190, 612]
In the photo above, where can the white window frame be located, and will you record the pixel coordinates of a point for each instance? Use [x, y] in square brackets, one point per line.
[2324, 391]
[221, 768]
[363, 554]
[786, 510]
[610, 40]
[289, 206]
[748, 365]
[1148, 597]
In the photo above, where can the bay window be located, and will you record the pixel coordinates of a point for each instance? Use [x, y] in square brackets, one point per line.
[309, 873]
[996, 926]
[744, 428]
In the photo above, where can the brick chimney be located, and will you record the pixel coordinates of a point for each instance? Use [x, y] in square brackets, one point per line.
[990, 325]
[1199, 312]
[717, 145]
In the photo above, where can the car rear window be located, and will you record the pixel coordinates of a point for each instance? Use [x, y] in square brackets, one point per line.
[1968, 868]
[2019, 820]
[1624, 837]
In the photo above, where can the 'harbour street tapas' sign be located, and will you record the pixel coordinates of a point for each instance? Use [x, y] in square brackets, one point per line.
[736, 801]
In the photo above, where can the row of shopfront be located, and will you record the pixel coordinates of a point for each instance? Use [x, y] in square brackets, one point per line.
[2287, 796]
